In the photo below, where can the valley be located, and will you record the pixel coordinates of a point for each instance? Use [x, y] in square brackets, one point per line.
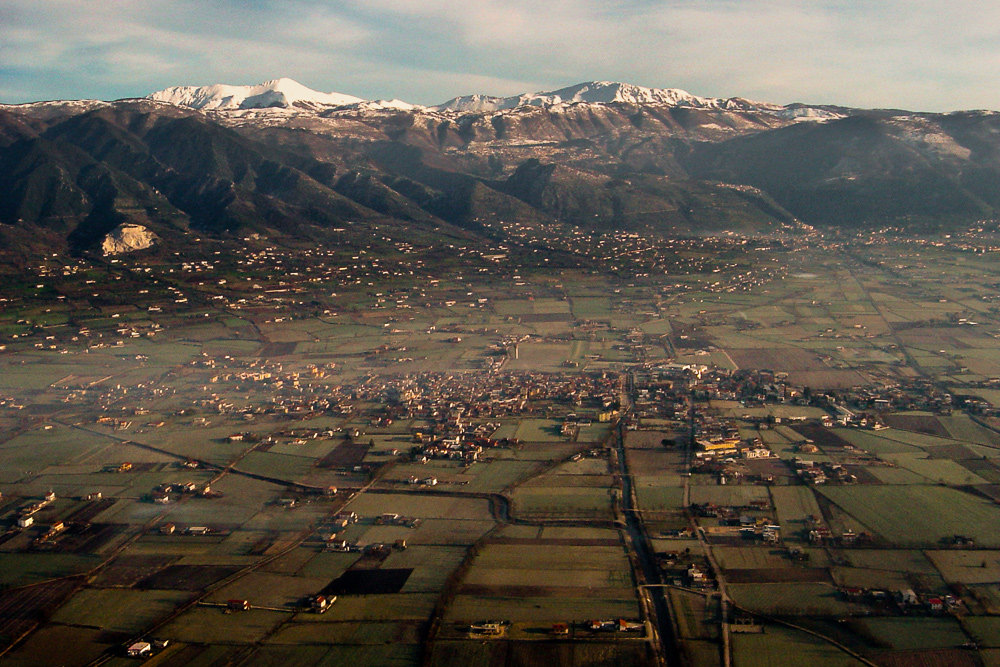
[562, 447]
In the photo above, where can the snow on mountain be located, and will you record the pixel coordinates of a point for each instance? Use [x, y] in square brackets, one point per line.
[288, 96]
[593, 92]
[609, 92]
[801, 112]
[478, 103]
[391, 105]
[281, 93]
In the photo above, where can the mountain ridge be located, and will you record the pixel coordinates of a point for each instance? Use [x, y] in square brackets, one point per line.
[285, 93]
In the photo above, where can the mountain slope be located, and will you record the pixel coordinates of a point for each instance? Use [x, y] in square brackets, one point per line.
[863, 170]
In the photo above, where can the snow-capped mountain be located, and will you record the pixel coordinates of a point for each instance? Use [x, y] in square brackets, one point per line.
[281, 93]
[594, 92]
[286, 94]
[281, 158]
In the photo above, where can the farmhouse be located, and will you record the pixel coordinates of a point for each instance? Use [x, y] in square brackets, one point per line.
[139, 649]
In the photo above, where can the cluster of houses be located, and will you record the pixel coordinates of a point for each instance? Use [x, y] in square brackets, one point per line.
[685, 569]
[812, 472]
[170, 528]
[905, 600]
[334, 540]
[166, 492]
[750, 527]
[611, 625]
[820, 534]
[26, 515]
[447, 396]
[393, 519]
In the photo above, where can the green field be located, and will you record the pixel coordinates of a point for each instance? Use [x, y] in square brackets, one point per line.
[918, 514]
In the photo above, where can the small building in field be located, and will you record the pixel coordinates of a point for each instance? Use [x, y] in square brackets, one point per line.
[139, 649]
[320, 603]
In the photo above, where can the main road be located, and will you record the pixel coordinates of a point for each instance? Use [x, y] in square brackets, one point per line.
[650, 587]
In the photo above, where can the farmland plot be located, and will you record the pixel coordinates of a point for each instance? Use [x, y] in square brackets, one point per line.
[917, 514]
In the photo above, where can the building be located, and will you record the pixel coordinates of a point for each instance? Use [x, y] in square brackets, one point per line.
[320, 603]
[139, 649]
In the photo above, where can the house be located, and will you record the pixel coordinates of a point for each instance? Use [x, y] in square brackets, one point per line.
[853, 593]
[487, 628]
[629, 626]
[139, 649]
[320, 603]
[338, 545]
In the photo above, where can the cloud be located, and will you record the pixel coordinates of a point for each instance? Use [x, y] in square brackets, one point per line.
[902, 53]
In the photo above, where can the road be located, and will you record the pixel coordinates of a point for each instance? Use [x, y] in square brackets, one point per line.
[663, 630]
[724, 602]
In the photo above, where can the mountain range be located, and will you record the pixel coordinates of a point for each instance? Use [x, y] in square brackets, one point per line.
[281, 159]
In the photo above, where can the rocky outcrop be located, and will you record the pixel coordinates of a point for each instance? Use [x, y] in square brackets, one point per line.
[127, 238]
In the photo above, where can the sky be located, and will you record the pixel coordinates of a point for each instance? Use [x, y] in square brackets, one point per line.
[910, 54]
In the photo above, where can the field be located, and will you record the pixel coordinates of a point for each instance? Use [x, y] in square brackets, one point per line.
[918, 515]
[532, 580]
[782, 646]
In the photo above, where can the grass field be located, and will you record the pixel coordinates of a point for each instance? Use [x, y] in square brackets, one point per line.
[967, 567]
[126, 611]
[916, 633]
[918, 514]
[786, 647]
[807, 599]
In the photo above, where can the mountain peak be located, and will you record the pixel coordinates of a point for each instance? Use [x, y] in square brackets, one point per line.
[282, 93]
